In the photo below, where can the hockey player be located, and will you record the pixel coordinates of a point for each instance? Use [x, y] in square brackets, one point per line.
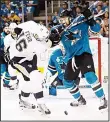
[75, 40]
[8, 80]
[3, 34]
[30, 39]
[4, 70]
[57, 64]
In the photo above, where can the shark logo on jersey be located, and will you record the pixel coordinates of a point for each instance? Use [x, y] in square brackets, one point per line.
[73, 36]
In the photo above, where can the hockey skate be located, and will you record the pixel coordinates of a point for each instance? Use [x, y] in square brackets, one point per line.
[6, 86]
[81, 101]
[103, 104]
[25, 104]
[43, 109]
[15, 86]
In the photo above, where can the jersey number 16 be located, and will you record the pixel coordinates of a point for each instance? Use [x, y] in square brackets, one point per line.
[21, 45]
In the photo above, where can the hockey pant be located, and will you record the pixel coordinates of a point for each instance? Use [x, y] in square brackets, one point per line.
[85, 63]
[32, 77]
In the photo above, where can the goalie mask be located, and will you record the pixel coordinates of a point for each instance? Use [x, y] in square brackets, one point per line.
[65, 17]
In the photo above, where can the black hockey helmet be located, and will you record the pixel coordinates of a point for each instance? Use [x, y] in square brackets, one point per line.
[65, 17]
[65, 13]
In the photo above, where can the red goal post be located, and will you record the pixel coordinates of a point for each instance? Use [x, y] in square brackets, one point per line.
[99, 56]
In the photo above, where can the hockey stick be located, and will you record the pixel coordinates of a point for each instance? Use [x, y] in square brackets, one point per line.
[77, 23]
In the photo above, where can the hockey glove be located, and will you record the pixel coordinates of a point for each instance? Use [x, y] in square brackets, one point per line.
[88, 15]
[7, 55]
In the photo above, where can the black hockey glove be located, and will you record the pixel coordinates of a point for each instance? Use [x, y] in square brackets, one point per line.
[54, 37]
[7, 55]
[88, 15]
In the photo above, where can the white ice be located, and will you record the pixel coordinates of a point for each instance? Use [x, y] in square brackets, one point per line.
[10, 107]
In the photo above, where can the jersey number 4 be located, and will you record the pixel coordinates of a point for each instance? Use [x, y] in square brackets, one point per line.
[21, 45]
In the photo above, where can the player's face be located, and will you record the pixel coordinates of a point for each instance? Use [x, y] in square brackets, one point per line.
[64, 20]
[6, 30]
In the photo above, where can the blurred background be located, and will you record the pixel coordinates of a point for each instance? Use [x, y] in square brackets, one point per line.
[47, 12]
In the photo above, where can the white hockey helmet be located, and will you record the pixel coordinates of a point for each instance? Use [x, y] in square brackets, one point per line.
[41, 33]
[13, 25]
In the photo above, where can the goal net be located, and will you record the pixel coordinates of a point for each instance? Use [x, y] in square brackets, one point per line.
[99, 48]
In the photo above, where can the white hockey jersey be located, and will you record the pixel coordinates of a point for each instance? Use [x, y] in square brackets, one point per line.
[31, 40]
[8, 40]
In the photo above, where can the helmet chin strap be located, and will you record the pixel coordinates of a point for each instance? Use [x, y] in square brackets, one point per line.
[14, 35]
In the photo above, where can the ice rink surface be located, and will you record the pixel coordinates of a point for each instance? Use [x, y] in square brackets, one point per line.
[10, 109]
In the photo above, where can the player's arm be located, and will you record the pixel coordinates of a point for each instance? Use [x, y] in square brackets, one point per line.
[1, 40]
[94, 26]
[51, 66]
[6, 49]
